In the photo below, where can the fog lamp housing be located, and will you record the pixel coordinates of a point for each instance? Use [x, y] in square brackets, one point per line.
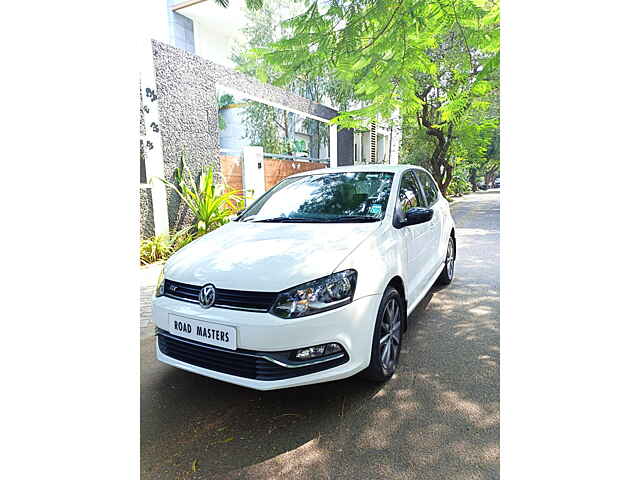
[317, 351]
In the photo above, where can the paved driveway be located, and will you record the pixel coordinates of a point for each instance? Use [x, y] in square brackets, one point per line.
[438, 418]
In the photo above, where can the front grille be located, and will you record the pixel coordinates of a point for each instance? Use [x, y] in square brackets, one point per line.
[236, 299]
[241, 363]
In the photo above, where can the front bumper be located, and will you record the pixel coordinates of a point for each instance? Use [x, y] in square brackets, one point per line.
[351, 326]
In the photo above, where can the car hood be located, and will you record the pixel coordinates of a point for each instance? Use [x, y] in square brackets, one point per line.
[267, 257]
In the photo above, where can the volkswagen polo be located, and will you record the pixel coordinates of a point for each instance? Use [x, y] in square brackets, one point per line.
[313, 282]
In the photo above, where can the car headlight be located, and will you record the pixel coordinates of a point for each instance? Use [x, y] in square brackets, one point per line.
[316, 296]
[160, 284]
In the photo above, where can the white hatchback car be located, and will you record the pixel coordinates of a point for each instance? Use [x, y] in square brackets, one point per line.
[311, 283]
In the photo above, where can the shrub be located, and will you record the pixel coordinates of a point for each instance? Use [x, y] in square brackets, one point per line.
[182, 238]
[458, 186]
[161, 247]
[210, 204]
[155, 249]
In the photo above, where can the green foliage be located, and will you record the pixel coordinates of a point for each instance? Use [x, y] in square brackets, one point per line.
[273, 128]
[299, 146]
[223, 102]
[383, 49]
[460, 147]
[458, 186]
[208, 201]
[268, 127]
[182, 239]
[435, 62]
[161, 247]
[155, 249]
[266, 26]
[264, 125]
[476, 148]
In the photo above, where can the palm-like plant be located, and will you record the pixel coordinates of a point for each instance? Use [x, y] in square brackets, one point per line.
[211, 205]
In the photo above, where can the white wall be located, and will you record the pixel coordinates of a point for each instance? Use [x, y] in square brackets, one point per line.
[213, 44]
[156, 21]
[216, 30]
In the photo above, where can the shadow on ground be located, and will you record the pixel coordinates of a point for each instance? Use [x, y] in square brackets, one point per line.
[437, 418]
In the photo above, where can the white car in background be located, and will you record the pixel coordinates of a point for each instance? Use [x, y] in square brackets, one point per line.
[312, 283]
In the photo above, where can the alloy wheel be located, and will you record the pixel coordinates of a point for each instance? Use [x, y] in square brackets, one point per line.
[390, 335]
[450, 258]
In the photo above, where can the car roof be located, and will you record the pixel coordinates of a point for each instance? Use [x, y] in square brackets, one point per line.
[375, 167]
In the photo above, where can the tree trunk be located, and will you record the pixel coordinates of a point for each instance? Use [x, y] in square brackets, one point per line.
[440, 167]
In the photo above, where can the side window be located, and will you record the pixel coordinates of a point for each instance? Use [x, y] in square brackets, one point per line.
[430, 188]
[409, 195]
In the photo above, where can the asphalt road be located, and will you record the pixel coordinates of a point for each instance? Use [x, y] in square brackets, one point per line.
[437, 418]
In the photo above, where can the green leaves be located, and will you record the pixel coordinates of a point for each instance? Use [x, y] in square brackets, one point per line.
[378, 48]
[160, 247]
[436, 62]
[208, 201]
[459, 186]
[360, 64]
[482, 87]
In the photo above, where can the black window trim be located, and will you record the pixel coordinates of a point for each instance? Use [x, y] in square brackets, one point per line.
[422, 187]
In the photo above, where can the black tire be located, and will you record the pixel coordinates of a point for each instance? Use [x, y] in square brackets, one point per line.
[383, 364]
[446, 276]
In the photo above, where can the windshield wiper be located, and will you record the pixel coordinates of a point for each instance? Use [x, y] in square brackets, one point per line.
[339, 219]
[355, 218]
[291, 220]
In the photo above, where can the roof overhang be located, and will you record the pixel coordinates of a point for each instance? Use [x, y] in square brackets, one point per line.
[208, 13]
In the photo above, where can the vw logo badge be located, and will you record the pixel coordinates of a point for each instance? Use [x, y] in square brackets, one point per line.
[207, 296]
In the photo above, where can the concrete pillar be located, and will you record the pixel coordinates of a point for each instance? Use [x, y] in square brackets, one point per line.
[333, 146]
[252, 173]
[152, 143]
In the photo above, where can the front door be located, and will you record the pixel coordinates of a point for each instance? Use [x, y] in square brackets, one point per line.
[418, 237]
[436, 248]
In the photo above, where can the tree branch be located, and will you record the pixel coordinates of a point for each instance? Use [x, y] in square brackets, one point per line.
[376, 37]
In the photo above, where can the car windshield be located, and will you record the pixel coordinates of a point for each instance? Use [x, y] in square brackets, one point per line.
[324, 198]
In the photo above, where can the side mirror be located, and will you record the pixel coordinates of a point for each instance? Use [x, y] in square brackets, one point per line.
[417, 215]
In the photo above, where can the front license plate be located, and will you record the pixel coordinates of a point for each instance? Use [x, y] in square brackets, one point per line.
[204, 332]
